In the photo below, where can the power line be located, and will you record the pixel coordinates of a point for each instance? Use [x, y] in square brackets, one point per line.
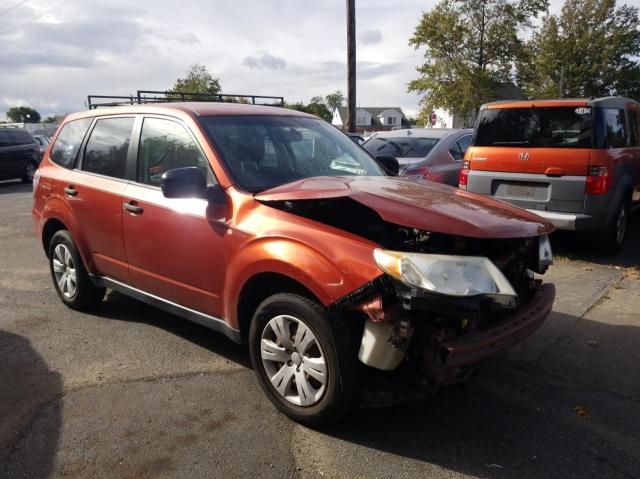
[41, 14]
[13, 8]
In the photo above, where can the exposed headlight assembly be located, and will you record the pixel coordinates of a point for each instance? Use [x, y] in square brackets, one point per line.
[461, 276]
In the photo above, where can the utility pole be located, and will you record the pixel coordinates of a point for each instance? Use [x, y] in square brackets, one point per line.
[351, 66]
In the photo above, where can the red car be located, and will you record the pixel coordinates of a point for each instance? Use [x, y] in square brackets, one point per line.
[274, 228]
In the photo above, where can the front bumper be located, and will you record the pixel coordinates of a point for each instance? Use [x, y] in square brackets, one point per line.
[476, 346]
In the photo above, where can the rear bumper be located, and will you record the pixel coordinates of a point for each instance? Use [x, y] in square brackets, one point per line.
[476, 346]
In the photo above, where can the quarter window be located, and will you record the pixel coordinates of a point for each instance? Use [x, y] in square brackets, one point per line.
[65, 149]
[166, 145]
[21, 137]
[5, 140]
[107, 148]
[611, 128]
[633, 128]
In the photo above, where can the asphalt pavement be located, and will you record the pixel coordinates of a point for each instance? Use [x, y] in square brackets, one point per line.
[130, 391]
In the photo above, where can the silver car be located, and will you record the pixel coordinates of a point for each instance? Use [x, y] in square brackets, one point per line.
[433, 154]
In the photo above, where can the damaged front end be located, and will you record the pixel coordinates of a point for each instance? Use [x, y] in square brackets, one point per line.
[441, 313]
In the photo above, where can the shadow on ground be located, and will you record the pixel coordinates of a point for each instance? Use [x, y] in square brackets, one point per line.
[11, 186]
[30, 396]
[514, 419]
[120, 307]
[579, 246]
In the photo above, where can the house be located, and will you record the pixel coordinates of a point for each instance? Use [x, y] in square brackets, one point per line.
[370, 119]
[503, 91]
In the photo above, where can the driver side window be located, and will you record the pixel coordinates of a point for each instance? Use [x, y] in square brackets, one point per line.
[166, 145]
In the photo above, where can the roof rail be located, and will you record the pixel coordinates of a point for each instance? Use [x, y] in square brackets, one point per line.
[152, 96]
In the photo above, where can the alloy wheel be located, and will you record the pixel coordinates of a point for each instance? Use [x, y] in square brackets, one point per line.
[30, 171]
[64, 271]
[294, 360]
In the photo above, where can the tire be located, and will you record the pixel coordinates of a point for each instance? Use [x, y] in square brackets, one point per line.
[29, 170]
[311, 399]
[66, 264]
[611, 239]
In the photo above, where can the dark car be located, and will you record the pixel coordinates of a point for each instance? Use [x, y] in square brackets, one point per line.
[275, 229]
[19, 154]
[433, 154]
[356, 137]
[42, 142]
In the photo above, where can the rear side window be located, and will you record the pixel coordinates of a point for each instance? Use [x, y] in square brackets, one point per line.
[107, 148]
[65, 150]
[21, 137]
[459, 148]
[5, 139]
[611, 128]
[401, 147]
[165, 145]
[551, 127]
[633, 128]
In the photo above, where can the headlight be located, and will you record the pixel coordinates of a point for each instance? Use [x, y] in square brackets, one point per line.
[447, 274]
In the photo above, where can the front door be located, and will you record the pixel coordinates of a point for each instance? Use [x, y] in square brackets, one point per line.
[175, 250]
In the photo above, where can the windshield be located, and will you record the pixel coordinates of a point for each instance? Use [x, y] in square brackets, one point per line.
[550, 127]
[401, 147]
[263, 152]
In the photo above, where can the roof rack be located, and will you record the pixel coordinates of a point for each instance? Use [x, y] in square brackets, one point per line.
[151, 96]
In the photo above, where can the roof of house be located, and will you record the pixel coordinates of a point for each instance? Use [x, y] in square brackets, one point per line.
[373, 111]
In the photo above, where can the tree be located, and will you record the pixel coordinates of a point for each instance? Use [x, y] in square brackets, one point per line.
[334, 100]
[315, 107]
[198, 80]
[471, 47]
[23, 114]
[591, 49]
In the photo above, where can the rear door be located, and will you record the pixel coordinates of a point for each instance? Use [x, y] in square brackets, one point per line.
[8, 161]
[534, 157]
[23, 150]
[94, 192]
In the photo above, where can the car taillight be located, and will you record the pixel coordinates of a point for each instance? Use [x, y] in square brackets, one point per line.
[422, 172]
[599, 180]
[463, 175]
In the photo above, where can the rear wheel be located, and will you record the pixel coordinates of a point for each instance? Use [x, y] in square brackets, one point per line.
[611, 239]
[29, 172]
[70, 278]
[302, 358]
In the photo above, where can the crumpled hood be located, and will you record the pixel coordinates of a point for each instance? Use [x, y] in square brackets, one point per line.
[422, 205]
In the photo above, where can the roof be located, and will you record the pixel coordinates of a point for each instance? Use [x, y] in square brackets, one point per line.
[373, 111]
[423, 132]
[193, 109]
[609, 101]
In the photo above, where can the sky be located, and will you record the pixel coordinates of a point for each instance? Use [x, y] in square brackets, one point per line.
[56, 52]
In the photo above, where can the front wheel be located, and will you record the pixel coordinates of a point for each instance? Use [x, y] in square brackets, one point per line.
[302, 359]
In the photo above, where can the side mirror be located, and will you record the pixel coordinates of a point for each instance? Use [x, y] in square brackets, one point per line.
[390, 164]
[189, 182]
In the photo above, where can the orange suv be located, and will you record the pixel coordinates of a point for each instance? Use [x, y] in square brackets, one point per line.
[275, 229]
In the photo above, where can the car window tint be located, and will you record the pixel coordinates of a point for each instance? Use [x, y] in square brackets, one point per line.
[5, 139]
[400, 147]
[611, 128]
[20, 137]
[456, 152]
[166, 145]
[66, 146]
[633, 128]
[106, 151]
[464, 143]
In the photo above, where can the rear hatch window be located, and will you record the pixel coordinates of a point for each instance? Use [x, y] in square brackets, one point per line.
[543, 140]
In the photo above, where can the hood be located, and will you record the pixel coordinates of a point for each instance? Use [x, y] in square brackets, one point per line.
[422, 205]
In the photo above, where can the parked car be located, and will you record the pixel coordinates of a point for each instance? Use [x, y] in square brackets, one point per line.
[247, 220]
[19, 157]
[433, 154]
[574, 162]
[42, 142]
[356, 137]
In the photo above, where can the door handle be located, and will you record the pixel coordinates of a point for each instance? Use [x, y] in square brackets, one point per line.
[71, 191]
[133, 208]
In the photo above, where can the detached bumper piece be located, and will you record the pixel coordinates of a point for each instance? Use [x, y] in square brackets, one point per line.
[474, 347]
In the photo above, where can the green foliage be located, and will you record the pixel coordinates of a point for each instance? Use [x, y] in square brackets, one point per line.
[334, 100]
[49, 119]
[198, 80]
[591, 49]
[315, 107]
[23, 114]
[471, 46]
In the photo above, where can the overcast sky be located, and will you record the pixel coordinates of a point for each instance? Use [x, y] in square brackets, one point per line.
[56, 52]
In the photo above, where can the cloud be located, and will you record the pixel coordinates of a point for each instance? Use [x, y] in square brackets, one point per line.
[370, 37]
[265, 61]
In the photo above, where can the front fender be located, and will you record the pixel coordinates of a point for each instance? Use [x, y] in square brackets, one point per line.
[328, 279]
